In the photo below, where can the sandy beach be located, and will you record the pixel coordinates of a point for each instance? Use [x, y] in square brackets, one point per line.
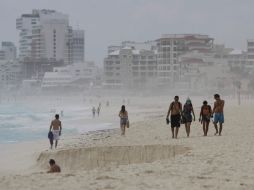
[146, 158]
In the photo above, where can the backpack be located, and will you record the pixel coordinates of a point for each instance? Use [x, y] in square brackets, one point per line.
[206, 110]
[187, 108]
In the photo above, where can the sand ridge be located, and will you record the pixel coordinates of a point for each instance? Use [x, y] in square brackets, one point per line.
[95, 157]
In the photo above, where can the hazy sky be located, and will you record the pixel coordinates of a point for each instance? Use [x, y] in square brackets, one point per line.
[109, 22]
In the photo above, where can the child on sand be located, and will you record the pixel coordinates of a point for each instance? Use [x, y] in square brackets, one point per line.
[54, 168]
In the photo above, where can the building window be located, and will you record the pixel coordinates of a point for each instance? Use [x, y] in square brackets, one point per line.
[250, 43]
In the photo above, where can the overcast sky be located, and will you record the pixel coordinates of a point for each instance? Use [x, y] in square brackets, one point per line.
[109, 22]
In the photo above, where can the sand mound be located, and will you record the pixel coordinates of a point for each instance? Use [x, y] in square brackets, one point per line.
[93, 157]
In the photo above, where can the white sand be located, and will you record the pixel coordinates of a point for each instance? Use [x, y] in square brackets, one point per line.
[212, 162]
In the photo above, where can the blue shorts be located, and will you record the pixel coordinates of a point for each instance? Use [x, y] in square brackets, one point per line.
[218, 117]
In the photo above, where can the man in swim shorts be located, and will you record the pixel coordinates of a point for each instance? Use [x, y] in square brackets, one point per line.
[218, 113]
[56, 128]
[175, 109]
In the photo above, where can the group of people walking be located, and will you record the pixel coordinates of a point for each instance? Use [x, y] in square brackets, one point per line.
[178, 115]
[185, 115]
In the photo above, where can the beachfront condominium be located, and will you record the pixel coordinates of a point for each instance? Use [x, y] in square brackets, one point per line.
[75, 76]
[170, 47]
[78, 46]
[130, 65]
[10, 70]
[8, 51]
[44, 34]
[250, 54]
[10, 73]
[46, 40]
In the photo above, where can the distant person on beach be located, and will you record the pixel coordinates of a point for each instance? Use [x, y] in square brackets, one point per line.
[98, 111]
[54, 168]
[204, 116]
[56, 128]
[218, 113]
[93, 111]
[186, 116]
[107, 103]
[123, 114]
[175, 109]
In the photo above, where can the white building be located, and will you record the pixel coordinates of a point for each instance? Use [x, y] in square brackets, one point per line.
[237, 58]
[208, 70]
[128, 67]
[250, 53]
[10, 73]
[26, 24]
[46, 34]
[78, 46]
[74, 75]
[8, 51]
[171, 46]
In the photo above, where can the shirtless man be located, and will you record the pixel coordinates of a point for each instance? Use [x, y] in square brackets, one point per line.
[218, 113]
[175, 109]
[56, 128]
[53, 167]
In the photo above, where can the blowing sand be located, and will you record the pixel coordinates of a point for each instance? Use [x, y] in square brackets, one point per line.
[146, 158]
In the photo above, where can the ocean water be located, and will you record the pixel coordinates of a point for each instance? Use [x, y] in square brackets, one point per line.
[19, 123]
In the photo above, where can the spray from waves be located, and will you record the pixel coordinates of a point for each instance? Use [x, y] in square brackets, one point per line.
[22, 123]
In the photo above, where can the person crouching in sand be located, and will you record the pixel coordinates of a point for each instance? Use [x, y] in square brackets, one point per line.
[54, 168]
[175, 109]
[123, 114]
[204, 117]
[218, 113]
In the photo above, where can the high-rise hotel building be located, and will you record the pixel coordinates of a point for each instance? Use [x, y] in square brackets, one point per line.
[46, 38]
